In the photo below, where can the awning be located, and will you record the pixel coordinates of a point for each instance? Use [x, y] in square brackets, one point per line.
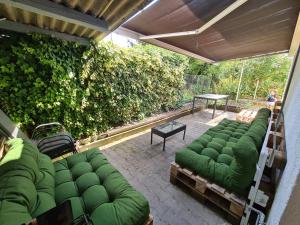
[256, 27]
[68, 19]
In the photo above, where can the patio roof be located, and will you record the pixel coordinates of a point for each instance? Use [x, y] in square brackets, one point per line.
[216, 30]
[70, 19]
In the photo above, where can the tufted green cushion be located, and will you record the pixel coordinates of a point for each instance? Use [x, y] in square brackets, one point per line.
[26, 183]
[211, 153]
[243, 166]
[227, 154]
[99, 190]
[215, 145]
[30, 184]
[227, 150]
[196, 146]
[225, 158]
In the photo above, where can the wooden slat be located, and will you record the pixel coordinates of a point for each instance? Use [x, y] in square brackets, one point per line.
[59, 12]
[22, 28]
[229, 202]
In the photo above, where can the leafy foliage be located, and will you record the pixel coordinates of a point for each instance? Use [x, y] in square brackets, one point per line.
[270, 71]
[88, 89]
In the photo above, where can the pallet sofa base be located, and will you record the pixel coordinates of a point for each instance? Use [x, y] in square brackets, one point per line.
[229, 202]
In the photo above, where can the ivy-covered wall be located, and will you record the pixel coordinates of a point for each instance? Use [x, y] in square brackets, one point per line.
[87, 88]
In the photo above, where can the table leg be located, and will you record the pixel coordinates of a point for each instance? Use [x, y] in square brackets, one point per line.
[215, 106]
[184, 134]
[207, 103]
[193, 105]
[226, 104]
[151, 136]
[164, 144]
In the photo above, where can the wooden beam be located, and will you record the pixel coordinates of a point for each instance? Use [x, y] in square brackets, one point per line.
[22, 28]
[59, 12]
[134, 35]
[207, 25]
[296, 38]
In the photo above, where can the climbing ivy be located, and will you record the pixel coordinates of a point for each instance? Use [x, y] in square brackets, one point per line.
[89, 89]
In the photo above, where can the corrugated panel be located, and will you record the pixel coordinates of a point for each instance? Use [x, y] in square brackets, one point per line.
[257, 27]
[113, 11]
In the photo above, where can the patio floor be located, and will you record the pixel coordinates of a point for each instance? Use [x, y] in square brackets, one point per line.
[147, 168]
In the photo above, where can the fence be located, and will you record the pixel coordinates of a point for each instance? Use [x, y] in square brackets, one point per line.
[195, 85]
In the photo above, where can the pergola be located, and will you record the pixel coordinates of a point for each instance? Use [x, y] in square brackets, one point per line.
[72, 20]
[218, 30]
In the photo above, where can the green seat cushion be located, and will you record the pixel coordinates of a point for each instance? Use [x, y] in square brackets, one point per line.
[13, 213]
[227, 154]
[225, 158]
[215, 145]
[220, 141]
[230, 144]
[211, 153]
[237, 134]
[222, 136]
[44, 203]
[196, 146]
[204, 140]
[200, 164]
[227, 150]
[30, 184]
[233, 140]
[96, 188]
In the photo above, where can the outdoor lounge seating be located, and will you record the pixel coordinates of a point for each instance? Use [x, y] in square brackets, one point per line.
[30, 184]
[227, 154]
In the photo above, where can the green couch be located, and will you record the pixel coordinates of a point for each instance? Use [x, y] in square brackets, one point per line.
[227, 154]
[31, 184]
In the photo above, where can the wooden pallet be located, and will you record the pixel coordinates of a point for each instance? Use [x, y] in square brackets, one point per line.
[229, 202]
[150, 220]
[246, 116]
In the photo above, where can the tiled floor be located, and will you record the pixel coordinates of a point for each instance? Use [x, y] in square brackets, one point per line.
[147, 169]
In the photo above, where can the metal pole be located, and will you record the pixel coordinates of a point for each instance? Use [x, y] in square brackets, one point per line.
[240, 80]
[257, 83]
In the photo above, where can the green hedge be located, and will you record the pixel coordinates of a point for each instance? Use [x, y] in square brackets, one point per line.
[87, 88]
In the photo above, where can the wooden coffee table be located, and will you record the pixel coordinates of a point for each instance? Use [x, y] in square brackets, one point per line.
[167, 130]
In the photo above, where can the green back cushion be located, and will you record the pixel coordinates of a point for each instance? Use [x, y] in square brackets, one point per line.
[26, 183]
[243, 166]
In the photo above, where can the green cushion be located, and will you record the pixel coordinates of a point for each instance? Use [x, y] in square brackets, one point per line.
[222, 136]
[14, 152]
[243, 166]
[200, 164]
[230, 144]
[215, 145]
[227, 150]
[196, 146]
[227, 154]
[225, 158]
[220, 141]
[43, 204]
[204, 140]
[233, 140]
[211, 153]
[98, 190]
[30, 185]
[237, 134]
